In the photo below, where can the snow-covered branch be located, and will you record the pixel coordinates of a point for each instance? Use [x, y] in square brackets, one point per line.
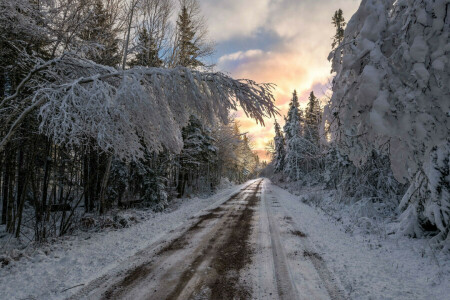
[391, 86]
[124, 111]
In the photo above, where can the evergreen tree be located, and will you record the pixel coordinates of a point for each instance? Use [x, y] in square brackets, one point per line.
[147, 51]
[198, 151]
[188, 51]
[313, 115]
[100, 33]
[339, 22]
[294, 112]
[280, 151]
[294, 140]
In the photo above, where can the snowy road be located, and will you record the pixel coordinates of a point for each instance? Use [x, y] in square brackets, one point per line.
[245, 248]
[253, 241]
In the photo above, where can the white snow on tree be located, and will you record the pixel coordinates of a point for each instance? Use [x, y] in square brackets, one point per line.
[280, 152]
[126, 110]
[392, 91]
[294, 143]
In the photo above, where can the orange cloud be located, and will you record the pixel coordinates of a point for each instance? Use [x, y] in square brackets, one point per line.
[298, 60]
[288, 71]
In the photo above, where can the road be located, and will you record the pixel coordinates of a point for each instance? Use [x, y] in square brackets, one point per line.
[248, 247]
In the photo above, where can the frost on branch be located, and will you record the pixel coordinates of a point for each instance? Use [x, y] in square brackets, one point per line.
[392, 87]
[124, 111]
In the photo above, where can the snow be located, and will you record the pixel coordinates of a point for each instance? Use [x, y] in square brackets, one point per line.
[421, 74]
[80, 259]
[395, 100]
[419, 49]
[363, 258]
[368, 265]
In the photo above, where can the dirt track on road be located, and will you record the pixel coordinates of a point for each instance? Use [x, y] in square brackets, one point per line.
[245, 248]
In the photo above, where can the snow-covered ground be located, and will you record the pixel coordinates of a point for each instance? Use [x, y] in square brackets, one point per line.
[299, 250]
[368, 266]
[78, 259]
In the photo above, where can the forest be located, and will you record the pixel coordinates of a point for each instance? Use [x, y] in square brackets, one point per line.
[381, 137]
[111, 104]
[224, 149]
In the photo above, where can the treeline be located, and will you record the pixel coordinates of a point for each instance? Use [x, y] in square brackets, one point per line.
[81, 132]
[382, 139]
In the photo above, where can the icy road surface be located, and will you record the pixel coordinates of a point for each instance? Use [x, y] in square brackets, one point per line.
[245, 248]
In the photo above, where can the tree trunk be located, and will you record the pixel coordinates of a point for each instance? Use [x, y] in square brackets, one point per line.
[21, 204]
[5, 190]
[104, 184]
[86, 182]
[47, 168]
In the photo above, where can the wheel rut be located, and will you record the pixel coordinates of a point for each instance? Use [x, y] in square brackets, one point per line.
[203, 262]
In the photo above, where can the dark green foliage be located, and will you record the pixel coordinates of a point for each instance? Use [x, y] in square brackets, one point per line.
[313, 118]
[147, 51]
[188, 51]
[280, 151]
[339, 22]
[198, 156]
[100, 36]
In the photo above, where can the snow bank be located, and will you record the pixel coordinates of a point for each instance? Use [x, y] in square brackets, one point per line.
[370, 266]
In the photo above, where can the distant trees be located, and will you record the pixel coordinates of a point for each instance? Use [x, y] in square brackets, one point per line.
[293, 134]
[279, 149]
[298, 151]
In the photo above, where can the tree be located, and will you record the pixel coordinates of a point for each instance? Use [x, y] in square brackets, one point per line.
[156, 16]
[339, 22]
[188, 51]
[280, 151]
[293, 115]
[293, 135]
[312, 120]
[147, 51]
[398, 109]
[100, 33]
[197, 155]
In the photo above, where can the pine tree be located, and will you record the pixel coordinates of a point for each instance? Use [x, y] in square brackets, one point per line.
[147, 51]
[188, 51]
[100, 32]
[280, 151]
[294, 112]
[294, 140]
[198, 151]
[339, 22]
[313, 115]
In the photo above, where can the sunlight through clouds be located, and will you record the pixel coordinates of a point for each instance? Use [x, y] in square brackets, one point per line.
[285, 42]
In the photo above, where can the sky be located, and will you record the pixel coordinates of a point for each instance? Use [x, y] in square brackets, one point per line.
[285, 42]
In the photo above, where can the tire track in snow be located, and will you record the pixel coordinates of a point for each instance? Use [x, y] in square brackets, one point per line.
[328, 279]
[203, 261]
[285, 286]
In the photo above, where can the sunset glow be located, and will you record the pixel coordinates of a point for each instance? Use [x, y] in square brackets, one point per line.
[285, 42]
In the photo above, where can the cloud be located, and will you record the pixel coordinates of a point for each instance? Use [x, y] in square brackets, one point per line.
[240, 56]
[234, 18]
[291, 38]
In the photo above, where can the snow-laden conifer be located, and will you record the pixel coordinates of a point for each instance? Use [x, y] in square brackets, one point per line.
[391, 92]
[280, 151]
[293, 135]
